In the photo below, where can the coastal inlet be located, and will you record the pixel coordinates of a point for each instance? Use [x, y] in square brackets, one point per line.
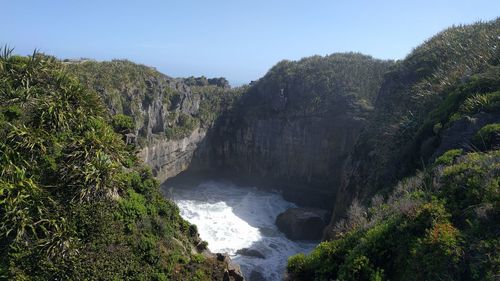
[240, 221]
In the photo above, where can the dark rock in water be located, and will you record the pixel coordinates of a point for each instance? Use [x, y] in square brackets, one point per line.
[302, 223]
[250, 253]
[256, 276]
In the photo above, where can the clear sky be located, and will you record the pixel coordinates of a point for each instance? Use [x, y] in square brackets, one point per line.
[239, 40]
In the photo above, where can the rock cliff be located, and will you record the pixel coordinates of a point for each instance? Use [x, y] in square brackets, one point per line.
[294, 127]
[171, 116]
[168, 158]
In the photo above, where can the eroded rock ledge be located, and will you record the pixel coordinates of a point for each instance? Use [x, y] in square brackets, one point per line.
[167, 158]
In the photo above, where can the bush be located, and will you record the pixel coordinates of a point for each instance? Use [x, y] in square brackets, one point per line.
[123, 124]
[148, 249]
[11, 113]
[75, 204]
[297, 265]
[488, 137]
[449, 234]
[448, 157]
[133, 206]
[183, 127]
[488, 102]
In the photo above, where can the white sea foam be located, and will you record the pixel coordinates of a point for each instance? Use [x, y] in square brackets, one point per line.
[230, 218]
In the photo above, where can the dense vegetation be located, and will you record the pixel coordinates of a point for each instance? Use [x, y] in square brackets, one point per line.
[420, 99]
[204, 81]
[75, 203]
[440, 220]
[316, 85]
[441, 224]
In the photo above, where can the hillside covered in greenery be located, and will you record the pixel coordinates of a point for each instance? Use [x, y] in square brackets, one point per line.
[420, 98]
[441, 224]
[423, 180]
[75, 202]
[169, 117]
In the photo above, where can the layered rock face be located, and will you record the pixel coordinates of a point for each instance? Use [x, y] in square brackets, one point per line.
[305, 152]
[167, 112]
[168, 158]
[294, 128]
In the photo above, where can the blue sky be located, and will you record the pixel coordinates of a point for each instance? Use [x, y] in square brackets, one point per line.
[239, 40]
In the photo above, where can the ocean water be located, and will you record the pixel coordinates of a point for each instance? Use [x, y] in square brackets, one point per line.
[231, 217]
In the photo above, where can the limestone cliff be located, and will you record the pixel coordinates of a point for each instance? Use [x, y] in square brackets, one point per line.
[168, 158]
[171, 118]
[294, 127]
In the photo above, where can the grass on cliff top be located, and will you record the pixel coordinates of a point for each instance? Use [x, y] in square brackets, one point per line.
[316, 85]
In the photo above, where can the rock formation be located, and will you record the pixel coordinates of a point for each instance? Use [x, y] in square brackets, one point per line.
[302, 223]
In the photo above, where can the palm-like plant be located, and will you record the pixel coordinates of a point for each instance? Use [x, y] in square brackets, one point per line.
[61, 121]
[23, 209]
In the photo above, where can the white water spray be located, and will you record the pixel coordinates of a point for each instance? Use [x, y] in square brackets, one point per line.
[230, 218]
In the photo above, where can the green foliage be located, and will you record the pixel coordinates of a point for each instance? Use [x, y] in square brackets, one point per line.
[441, 223]
[216, 102]
[489, 102]
[448, 157]
[130, 89]
[438, 225]
[123, 124]
[453, 75]
[183, 127]
[317, 85]
[11, 113]
[125, 87]
[75, 204]
[134, 206]
[488, 137]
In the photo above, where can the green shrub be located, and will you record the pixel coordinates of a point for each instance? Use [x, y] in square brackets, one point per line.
[147, 247]
[11, 113]
[133, 206]
[296, 265]
[183, 127]
[488, 102]
[448, 157]
[123, 124]
[442, 228]
[75, 204]
[198, 258]
[471, 182]
[437, 255]
[488, 137]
